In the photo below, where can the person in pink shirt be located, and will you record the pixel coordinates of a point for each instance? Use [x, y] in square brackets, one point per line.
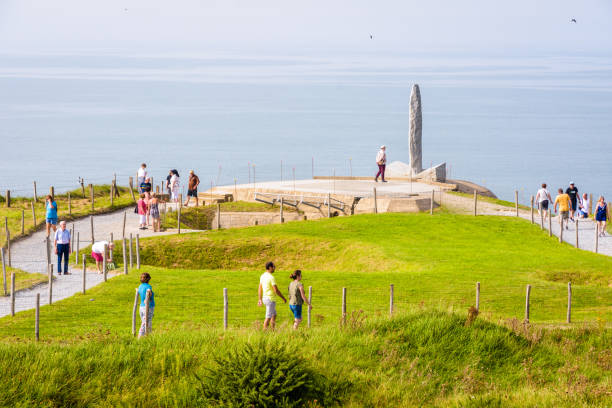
[142, 212]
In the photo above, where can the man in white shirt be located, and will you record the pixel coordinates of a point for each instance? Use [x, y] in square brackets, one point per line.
[543, 199]
[98, 253]
[62, 247]
[142, 175]
[381, 161]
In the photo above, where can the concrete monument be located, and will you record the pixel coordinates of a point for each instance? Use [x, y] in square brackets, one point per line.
[416, 131]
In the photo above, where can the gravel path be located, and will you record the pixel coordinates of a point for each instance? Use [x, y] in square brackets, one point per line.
[29, 254]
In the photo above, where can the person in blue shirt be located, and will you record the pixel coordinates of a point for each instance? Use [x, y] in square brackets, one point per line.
[51, 207]
[142, 292]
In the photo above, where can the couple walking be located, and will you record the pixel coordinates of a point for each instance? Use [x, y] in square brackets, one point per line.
[268, 290]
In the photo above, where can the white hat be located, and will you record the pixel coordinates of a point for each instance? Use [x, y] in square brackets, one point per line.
[571, 182]
[383, 146]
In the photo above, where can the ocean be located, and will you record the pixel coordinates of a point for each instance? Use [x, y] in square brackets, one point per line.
[506, 122]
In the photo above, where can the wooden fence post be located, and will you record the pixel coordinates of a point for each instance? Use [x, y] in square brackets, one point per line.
[532, 216]
[281, 210]
[52, 192]
[475, 203]
[48, 247]
[134, 313]
[91, 224]
[225, 308]
[33, 214]
[8, 247]
[310, 303]
[137, 251]
[3, 270]
[516, 202]
[37, 318]
[104, 264]
[219, 216]
[343, 306]
[596, 238]
[391, 300]
[569, 302]
[328, 205]
[590, 203]
[549, 221]
[131, 183]
[577, 246]
[431, 202]
[69, 204]
[111, 252]
[91, 189]
[527, 294]
[478, 296]
[375, 200]
[7, 201]
[131, 257]
[35, 196]
[13, 294]
[125, 260]
[178, 219]
[22, 222]
[561, 228]
[84, 274]
[124, 217]
[112, 194]
[50, 275]
[147, 305]
[542, 218]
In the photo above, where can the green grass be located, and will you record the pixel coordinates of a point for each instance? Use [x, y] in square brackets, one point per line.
[420, 358]
[491, 200]
[201, 218]
[23, 280]
[79, 207]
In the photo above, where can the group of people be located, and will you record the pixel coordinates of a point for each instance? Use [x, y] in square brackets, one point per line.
[572, 206]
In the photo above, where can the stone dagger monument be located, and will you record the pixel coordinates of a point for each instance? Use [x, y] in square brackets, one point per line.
[415, 147]
[416, 131]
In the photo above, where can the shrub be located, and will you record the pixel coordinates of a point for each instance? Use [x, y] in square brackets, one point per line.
[265, 375]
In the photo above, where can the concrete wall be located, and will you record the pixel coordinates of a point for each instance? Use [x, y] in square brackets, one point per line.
[247, 219]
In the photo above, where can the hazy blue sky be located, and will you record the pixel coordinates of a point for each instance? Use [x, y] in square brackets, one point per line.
[523, 26]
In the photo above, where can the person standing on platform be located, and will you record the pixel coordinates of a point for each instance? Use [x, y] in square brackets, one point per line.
[543, 199]
[142, 175]
[572, 192]
[62, 247]
[51, 217]
[381, 161]
[192, 188]
[565, 206]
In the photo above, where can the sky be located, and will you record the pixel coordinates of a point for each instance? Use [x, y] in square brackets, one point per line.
[290, 26]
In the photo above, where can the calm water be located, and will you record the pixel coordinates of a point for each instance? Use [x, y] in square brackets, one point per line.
[507, 123]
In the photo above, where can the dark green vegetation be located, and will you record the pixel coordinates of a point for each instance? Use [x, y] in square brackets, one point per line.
[429, 353]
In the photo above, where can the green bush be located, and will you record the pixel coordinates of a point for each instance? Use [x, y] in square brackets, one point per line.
[266, 375]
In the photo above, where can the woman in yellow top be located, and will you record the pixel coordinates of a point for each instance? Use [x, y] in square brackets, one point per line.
[565, 206]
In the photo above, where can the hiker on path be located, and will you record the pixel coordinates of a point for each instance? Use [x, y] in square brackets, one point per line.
[51, 216]
[565, 206]
[543, 199]
[98, 254]
[175, 185]
[297, 297]
[141, 176]
[381, 161]
[192, 189]
[267, 292]
[154, 212]
[146, 189]
[62, 247]
[168, 185]
[572, 192]
[146, 321]
[583, 207]
[142, 212]
[602, 214]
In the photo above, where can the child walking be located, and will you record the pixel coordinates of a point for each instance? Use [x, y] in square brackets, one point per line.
[142, 212]
[142, 292]
[297, 297]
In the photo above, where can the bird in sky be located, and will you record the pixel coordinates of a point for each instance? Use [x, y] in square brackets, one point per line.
[573, 20]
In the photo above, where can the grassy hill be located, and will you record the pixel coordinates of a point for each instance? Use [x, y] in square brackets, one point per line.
[428, 354]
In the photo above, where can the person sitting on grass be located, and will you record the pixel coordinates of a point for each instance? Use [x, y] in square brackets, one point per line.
[98, 253]
[297, 297]
[142, 212]
[146, 320]
[51, 217]
[267, 292]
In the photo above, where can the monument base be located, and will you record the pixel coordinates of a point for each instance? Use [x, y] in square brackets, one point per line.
[401, 169]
